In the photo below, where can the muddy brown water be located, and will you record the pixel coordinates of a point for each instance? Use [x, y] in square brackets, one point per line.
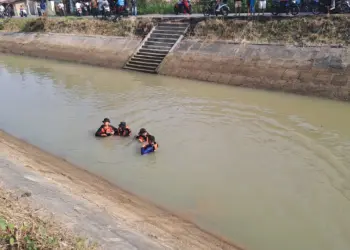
[268, 171]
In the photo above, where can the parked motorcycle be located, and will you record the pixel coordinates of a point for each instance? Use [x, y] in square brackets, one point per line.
[79, 12]
[85, 8]
[213, 9]
[61, 9]
[179, 7]
[106, 10]
[318, 7]
[286, 7]
[346, 6]
[120, 11]
[23, 13]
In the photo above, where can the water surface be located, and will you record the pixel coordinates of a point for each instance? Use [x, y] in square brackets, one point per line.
[269, 171]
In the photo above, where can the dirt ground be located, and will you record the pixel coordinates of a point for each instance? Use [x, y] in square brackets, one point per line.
[92, 207]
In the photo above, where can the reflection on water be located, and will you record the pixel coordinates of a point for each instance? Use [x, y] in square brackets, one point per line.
[268, 171]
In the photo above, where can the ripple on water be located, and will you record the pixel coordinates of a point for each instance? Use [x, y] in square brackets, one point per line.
[238, 162]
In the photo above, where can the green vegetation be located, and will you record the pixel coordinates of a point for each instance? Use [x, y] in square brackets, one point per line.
[73, 25]
[156, 6]
[311, 30]
[22, 229]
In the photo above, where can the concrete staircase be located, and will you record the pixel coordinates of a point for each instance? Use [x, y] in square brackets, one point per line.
[156, 46]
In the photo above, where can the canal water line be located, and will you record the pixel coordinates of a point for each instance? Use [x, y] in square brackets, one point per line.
[266, 170]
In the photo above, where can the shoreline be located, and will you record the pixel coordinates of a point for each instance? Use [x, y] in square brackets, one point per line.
[136, 221]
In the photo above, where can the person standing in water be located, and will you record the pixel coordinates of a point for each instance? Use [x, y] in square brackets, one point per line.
[142, 135]
[123, 130]
[106, 129]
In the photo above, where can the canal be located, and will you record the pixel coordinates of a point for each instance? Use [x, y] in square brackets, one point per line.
[268, 171]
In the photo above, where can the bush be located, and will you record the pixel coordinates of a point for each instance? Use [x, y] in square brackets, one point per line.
[22, 229]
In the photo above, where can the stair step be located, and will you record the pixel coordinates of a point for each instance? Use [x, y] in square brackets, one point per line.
[150, 57]
[164, 40]
[168, 32]
[150, 54]
[165, 35]
[165, 44]
[172, 30]
[139, 69]
[155, 51]
[140, 66]
[182, 25]
[167, 48]
[143, 63]
[147, 59]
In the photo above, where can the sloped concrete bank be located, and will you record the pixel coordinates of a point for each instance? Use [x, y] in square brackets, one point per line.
[104, 51]
[90, 206]
[313, 71]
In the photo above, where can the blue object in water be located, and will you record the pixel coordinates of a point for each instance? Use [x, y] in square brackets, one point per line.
[147, 150]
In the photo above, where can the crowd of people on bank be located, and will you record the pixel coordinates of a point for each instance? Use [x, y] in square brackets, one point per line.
[87, 7]
[95, 7]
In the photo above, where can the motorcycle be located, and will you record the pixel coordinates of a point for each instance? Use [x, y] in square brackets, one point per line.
[79, 12]
[179, 7]
[85, 8]
[106, 10]
[318, 6]
[346, 6]
[213, 9]
[61, 10]
[279, 7]
[23, 13]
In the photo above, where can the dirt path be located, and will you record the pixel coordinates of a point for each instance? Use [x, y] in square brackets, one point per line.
[93, 207]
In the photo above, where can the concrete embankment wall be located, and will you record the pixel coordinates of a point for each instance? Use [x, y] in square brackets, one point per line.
[316, 71]
[106, 51]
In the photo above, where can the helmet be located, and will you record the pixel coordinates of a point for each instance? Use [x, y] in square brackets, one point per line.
[106, 120]
[122, 124]
[142, 131]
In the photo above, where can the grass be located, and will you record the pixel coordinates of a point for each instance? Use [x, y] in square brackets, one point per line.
[72, 25]
[157, 6]
[311, 30]
[20, 228]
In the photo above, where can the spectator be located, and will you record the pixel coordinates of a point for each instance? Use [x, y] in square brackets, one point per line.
[43, 6]
[120, 6]
[248, 7]
[94, 8]
[133, 7]
[262, 6]
[2, 9]
[38, 8]
[238, 7]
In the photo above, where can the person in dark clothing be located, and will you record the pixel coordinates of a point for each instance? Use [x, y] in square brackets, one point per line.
[134, 7]
[150, 146]
[142, 135]
[106, 129]
[123, 130]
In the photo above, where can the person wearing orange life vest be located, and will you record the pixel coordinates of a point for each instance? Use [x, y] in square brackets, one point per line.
[150, 145]
[142, 135]
[106, 129]
[123, 130]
